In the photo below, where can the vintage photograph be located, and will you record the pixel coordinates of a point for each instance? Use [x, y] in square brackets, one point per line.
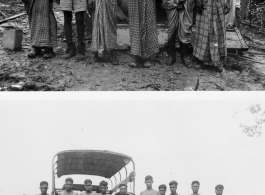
[132, 45]
[132, 147]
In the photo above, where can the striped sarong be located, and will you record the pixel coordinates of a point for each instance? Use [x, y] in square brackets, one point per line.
[180, 21]
[143, 31]
[210, 37]
[104, 35]
[42, 23]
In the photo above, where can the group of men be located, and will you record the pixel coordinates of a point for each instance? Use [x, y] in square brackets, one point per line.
[197, 26]
[103, 187]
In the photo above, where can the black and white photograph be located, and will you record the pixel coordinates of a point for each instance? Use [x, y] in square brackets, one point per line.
[132, 97]
[132, 146]
[132, 45]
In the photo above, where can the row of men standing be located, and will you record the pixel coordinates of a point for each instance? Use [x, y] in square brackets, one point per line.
[103, 187]
[197, 25]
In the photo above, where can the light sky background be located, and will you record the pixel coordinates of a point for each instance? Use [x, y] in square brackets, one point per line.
[178, 139]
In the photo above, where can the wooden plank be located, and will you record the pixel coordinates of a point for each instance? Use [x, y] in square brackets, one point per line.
[234, 40]
[12, 17]
[244, 46]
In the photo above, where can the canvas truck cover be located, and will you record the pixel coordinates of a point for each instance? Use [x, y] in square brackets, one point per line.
[89, 162]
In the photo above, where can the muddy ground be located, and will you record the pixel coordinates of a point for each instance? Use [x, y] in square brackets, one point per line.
[244, 72]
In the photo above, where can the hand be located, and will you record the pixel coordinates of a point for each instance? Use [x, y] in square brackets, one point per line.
[180, 6]
[227, 7]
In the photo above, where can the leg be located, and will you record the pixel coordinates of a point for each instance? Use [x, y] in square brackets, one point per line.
[137, 62]
[96, 57]
[68, 26]
[113, 58]
[80, 25]
[172, 17]
[36, 51]
[48, 52]
[71, 51]
[171, 50]
[186, 57]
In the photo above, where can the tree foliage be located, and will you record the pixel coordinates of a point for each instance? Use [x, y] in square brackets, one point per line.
[258, 112]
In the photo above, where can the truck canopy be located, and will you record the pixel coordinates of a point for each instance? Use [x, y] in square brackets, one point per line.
[89, 162]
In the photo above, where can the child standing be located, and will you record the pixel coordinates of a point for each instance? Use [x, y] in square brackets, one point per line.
[43, 27]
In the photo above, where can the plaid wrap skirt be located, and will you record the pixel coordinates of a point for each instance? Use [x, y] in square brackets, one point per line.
[42, 24]
[143, 29]
[210, 37]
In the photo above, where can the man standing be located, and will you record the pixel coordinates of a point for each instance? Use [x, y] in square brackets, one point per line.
[103, 186]
[143, 32]
[149, 190]
[123, 189]
[44, 187]
[219, 189]
[162, 189]
[68, 187]
[88, 188]
[173, 185]
[104, 35]
[79, 7]
[180, 22]
[210, 32]
[195, 185]
[43, 27]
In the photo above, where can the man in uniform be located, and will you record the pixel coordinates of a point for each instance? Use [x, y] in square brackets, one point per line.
[162, 189]
[180, 23]
[104, 34]
[195, 185]
[79, 7]
[143, 32]
[68, 187]
[88, 188]
[219, 189]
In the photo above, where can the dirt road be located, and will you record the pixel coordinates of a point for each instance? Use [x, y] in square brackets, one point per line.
[18, 73]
